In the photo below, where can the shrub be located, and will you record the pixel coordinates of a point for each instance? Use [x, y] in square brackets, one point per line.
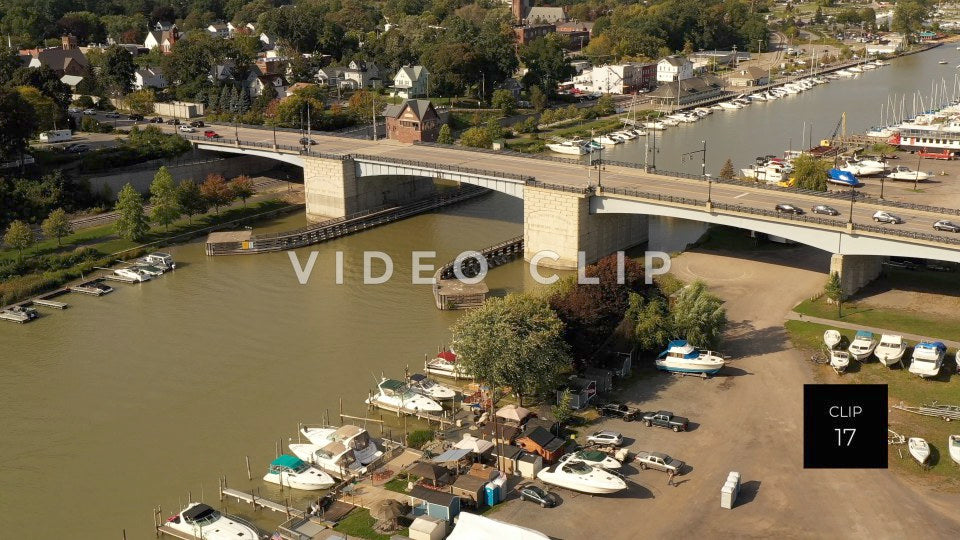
[419, 438]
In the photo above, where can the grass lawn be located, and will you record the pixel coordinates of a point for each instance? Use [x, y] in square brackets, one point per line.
[360, 523]
[903, 321]
[399, 483]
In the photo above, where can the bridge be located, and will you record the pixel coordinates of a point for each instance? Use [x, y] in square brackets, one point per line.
[570, 207]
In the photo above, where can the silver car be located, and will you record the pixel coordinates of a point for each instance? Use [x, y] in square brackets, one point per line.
[606, 437]
[659, 461]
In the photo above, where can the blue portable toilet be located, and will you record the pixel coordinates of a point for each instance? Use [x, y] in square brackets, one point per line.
[492, 492]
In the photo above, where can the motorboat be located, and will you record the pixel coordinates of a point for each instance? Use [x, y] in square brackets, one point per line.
[890, 349]
[670, 122]
[942, 62]
[293, 472]
[446, 365]
[579, 476]
[730, 106]
[843, 178]
[906, 173]
[333, 458]
[639, 132]
[953, 444]
[702, 111]
[596, 458]
[927, 358]
[862, 345]
[845, 73]
[919, 449]
[770, 172]
[832, 338]
[607, 140]
[355, 438]
[132, 273]
[201, 521]
[839, 360]
[426, 386]
[160, 260]
[626, 133]
[149, 269]
[394, 395]
[855, 69]
[572, 147]
[880, 132]
[656, 126]
[20, 314]
[859, 168]
[681, 357]
[881, 63]
[868, 66]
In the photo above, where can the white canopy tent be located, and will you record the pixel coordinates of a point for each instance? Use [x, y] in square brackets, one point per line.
[474, 527]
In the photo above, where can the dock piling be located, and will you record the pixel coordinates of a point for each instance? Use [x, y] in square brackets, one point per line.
[249, 476]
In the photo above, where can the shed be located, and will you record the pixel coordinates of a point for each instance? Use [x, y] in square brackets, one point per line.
[470, 490]
[510, 457]
[436, 504]
[529, 465]
[582, 390]
[499, 433]
[436, 474]
[427, 528]
[603, 378]
[542, 442]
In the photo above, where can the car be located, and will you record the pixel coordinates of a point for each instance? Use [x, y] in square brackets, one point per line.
[524, 104]
[899, 263]
[788, 209]
[156, 120]
[112, 115]
[540, 496]
[825, 210]
[74, 110]
[77, 148]
[882, 216]
[946, 225]
[90, 112]
[666, 419]
[211, 134]
[196, 123]
[187, 129]
[136, 117]
[305, 141]
[611, 438]
[659, 461]
[173, 122]
[618, 410]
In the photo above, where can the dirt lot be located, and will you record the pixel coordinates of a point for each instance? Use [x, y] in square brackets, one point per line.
[747, 420]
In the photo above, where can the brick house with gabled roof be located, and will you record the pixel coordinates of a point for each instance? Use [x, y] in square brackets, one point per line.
[413, 120]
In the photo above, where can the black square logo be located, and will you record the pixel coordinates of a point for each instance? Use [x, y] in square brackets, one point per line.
[845, 426]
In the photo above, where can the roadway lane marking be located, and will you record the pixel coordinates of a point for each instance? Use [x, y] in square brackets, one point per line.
[744, 194]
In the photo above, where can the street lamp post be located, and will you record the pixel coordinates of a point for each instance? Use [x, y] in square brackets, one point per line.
[916, 177]
[703, 169]
[850, 219]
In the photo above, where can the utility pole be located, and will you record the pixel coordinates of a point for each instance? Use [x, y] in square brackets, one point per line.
[373, 113]
[703, 167]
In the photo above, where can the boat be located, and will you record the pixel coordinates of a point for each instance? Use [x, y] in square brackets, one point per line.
[160, 260]
[942, 62]
[730, 106]
[919, 449]
[670, 122]
[629, 135]
[95, 287]
[639, 132]
[868, 66]
[355, 438]
[573, 147]
[445, 365]
[927, 358]
[596, 458]
[843, 178]
[890, 349]
[203, 522]
[862, 345]
[905, 173]
[334, 458]
[862, 167]
[855, 69]
[839, 360]
[149, 269]
[576, 475]
[426, 386]
[681, 357]
[656, 126]
[953, 443]
[20, 314]
[132, 273]
[831, 338]
[607, 140]
[394, 395]
[293, 472]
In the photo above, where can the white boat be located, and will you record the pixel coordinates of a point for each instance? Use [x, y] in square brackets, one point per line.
[394, 395]
[839, 360]
[204, 523]
[953, 443]
[159, 259]
[862, 345]
[869, 66]
[670, 122]
[607, 140]
[578, 476]
[626, 133]
[702, 111]
[365, 449]
[426, 386]
[730, 106]
[571, 147]
[927, 359]
[831, 338]
[149, 269]
[855, 69]
[860, 168]
[333, 458]
[681, 357]
[639, 132]
[595, 458]
[445, 365]
[133, 273]
[905, 173]
[881, 63]
[890, 349]
[882, 132]
[845, 73]
[919, 449]
[656, 126]
[293, 472]
[770, 172]
[942, 62]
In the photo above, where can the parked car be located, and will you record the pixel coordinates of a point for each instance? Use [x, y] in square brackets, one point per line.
[136, 117]
[305, 141]
[618, 410]
[173, 122]
[826, 210]
[77, 148]
[156, 120]
[665, 419]
[611, 438]
[659, 461]
[90, 112]
[788, 209]
[211, 134]
[882, 216]
[540, 496]
[112, 115]
[946, 225]
[187, 129]
[196, 123]
[906, 265]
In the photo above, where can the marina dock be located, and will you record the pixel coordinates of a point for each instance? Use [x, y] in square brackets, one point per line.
[50, 303]
[89, 287]
[452, 293]
[122, 279]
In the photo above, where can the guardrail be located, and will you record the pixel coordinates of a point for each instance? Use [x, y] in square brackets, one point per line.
[437, 166]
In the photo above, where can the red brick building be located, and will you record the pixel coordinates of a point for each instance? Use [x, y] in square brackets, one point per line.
[413, 120]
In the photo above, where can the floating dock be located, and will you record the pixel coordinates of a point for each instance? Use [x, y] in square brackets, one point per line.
[89, 287]
[122, 279]
[50, 303]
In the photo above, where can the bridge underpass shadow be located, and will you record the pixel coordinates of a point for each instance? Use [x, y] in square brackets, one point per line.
[799, 256]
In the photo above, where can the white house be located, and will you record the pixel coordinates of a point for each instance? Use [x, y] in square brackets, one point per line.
[674, 68]
[330, 76]
[362, 74]
[219, 29]
[148, 78]
[256, 83]
[411, 82]
[164, 39]
[268, 41]
[615, 78]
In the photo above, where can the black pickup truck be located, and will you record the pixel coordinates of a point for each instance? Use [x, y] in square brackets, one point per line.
[665, 419]
[618, 410]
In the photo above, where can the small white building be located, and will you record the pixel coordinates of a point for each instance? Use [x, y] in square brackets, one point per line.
[149, 78]
[411, 82]
[269, 42]
[219, 29]
[674, 68]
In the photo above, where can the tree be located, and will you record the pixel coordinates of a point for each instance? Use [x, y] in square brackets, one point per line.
[118, 69]
[727, 172]
[652, 325]
[515, 341]
[698, 316]
[216, 191]
[445, 137]
[131, 221]
[141, 101]
[163, 199]
[190, 198]
[477, 137]
[504, 100]
[908, 16]
[19, 236]
[57, 225]
[546, 62]
[562, 411]
[811, 173]
[834, 291]
[17, 124]
[242, 188]
[537, 98]
[44, 108]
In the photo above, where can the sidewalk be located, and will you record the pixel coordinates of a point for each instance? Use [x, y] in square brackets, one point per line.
[794, 316]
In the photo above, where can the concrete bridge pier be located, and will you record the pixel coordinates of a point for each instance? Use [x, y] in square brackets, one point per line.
[560, 221]
[856, 271]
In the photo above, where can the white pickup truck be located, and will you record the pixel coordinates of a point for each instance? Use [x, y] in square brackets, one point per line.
[659, 461]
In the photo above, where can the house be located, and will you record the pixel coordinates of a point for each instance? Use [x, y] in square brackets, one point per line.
[164, 39]
[513, 86]
[751, 76]
[543, 443]
[269, 42]
[534, 423]
[582, 390]
[218, 29]
[529, 465]
[617, 79]
[411, 82]
[413, 120]
[577, 33]
[690, 91]
[64, 60]
[148, 78]
[360, 74]
[257, 83]
[527, 33]
[673, 68]
[331, 76]
[524, 13]
[221, 72]
[436, 504]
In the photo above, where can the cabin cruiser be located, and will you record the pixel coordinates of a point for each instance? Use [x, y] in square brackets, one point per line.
[862, 345]
[355, 438]
[205, 523]
[927, 359]
[295, 473]
[730, 106]
[861, 168]
[160, 260]
[832, 338]
[845, 73]
[890, 349]
[607, 140]
[855, 69]
[579, 476]
[132, 273]
[639, 132]
[426, 386]
[333, 458]
[882, 132]
[771, 171]
[445, 364]
[919, 449]
[839, 360]
[681, 357]
[905, 173]
[149, 269]
[596, 458]
[394, 395]
[626, 133]
[702, 111]
[573, 147]
[19, 314]
[656, 126]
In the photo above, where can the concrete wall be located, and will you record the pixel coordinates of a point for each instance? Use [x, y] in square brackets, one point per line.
[855, 270]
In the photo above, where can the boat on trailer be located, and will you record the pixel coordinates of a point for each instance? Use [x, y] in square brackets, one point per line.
[890, 349]
[682, 357]
[839, 360]
[831, 338]
[919, 449]
[862, 345]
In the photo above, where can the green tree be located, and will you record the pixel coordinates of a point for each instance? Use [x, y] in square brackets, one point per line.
[727, 172]
[163, 199]
[504, 100]
[57, 225]
[546, 62]
[537, 98]
[652, 324]
[242, 187]
[908, 16]
[834, 291]
[477, 137]
[141, 101]
[515, 341]
[811, 173]
[698, 316]
[216, 191]
[17, 123]
[45, 109]
[445, 136]
[562, 411]
[190, 198]
[131, 221]
[19, 236]
[118, 69]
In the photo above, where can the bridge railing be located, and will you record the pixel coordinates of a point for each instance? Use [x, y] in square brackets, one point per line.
[441, 167]
[532, 182]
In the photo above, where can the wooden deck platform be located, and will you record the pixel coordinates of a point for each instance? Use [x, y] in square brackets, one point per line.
[166, 530]
[50, 303]
[451, 293]
[122, 279]
[260, 502]
[87, 288]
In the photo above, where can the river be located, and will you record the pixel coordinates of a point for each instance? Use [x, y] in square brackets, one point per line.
[129, 401]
